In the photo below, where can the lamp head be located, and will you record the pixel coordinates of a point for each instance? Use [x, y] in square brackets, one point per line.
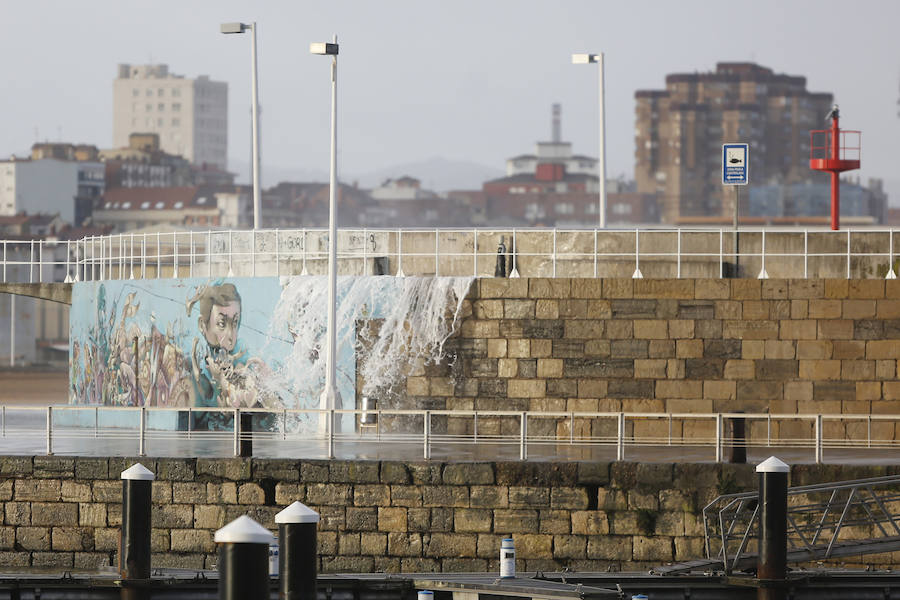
[233, 27]
[323, 48]
[583, 59]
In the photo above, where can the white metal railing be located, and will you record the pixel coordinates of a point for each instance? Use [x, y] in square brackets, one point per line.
[321, 430]
[656, 252]
[819, 519]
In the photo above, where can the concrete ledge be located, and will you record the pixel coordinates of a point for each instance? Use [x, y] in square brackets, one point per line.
[55, 292]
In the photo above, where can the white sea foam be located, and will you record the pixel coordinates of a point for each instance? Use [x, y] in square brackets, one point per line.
[417, 315]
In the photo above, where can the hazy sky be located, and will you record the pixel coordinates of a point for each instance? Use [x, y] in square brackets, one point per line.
[461, 79]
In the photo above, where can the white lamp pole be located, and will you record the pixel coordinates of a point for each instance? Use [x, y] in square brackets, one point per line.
[331, 398]
[254, 110]
[580, 59]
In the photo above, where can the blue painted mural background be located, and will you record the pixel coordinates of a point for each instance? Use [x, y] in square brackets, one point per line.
[187, 342]
[252, 342]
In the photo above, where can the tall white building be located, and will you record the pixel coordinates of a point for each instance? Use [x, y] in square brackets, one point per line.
[190, 115]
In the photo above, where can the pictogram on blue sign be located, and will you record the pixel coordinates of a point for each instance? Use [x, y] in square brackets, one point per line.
[735, 164]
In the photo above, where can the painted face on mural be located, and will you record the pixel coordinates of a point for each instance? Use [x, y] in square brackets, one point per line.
[221, 329]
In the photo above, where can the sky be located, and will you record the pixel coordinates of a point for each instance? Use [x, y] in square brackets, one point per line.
[470, 80]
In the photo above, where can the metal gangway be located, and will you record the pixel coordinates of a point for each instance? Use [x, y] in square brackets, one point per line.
[824, 521]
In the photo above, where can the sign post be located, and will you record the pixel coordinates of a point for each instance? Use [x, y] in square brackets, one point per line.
[736, 172]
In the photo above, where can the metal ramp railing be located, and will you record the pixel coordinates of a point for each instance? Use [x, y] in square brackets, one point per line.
[824, 521]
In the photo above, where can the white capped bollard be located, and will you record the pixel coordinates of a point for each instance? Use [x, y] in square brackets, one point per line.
[134, 539]
[771, 566]
[298, 553]
[507, 558]
[243, 560]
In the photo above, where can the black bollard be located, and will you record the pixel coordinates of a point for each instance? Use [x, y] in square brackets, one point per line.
[500, 269]
[298, 554]
[771, 568]
[243, 560]
[245, 442]
[134, 540]
[738, 440]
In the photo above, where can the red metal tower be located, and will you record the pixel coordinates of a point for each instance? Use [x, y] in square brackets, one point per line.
[834, 154]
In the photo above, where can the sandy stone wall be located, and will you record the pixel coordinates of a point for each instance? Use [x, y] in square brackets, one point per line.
[673, 345]
[382, 516]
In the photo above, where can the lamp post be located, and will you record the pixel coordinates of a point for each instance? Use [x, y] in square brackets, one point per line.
[583, 59]
[331, 398]
[254, 110]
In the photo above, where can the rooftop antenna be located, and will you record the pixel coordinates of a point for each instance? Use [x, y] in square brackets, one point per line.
[557, 123]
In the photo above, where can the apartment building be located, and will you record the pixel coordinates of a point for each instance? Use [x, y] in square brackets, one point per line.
[680, 131]
[187, 207]
[189, 115]
[555, 187]
[52, 181]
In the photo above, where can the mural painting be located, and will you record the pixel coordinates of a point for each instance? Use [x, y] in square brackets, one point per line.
[177, 343]
[246, 342]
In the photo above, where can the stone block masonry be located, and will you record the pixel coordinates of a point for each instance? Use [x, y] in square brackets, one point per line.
[672, 345]
[383, 516]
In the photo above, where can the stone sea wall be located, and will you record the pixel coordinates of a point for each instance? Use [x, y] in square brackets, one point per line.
[383, 516]
[672, 345]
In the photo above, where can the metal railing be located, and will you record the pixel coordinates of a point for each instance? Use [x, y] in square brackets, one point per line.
[657, 252]
[526, 432]
[823, 521]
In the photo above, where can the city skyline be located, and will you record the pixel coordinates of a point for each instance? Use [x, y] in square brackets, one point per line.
[469, 82]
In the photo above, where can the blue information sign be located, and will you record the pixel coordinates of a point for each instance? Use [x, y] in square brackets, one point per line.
[735, 164]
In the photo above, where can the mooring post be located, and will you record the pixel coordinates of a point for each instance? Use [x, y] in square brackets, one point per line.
[738, 440]
[772, 564]
[243, 560]
[298, 552]
[134, 543]
[245, 442]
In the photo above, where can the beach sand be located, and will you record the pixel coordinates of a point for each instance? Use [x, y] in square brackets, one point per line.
[33, 387]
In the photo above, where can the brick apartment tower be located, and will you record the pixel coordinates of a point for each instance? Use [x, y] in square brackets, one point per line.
[680, 132]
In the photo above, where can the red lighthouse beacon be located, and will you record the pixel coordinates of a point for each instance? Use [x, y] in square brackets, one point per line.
[834, 150]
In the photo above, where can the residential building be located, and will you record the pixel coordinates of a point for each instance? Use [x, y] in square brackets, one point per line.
[680, 131]
[553, 187]
[25, 226]
[190, 116]
[143, 164]
[190, 207]
[402, 188]
[402, 202]
[54, 180]
[289, 205]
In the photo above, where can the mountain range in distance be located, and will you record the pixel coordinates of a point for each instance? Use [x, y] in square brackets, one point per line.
[436, 174]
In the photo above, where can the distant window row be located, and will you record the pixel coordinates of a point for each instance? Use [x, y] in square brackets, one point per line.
[160, 122]
[174, 92]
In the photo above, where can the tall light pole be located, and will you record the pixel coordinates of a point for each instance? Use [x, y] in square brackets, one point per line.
[583, 59]
[254, 110]
[331, 398]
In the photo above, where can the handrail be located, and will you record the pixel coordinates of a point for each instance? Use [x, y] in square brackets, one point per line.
[429, 427]
[814, 526]
[558, 252]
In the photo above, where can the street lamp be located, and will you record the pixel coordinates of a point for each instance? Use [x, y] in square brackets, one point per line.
[254, 110]
[331, 398]
[583, 59]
